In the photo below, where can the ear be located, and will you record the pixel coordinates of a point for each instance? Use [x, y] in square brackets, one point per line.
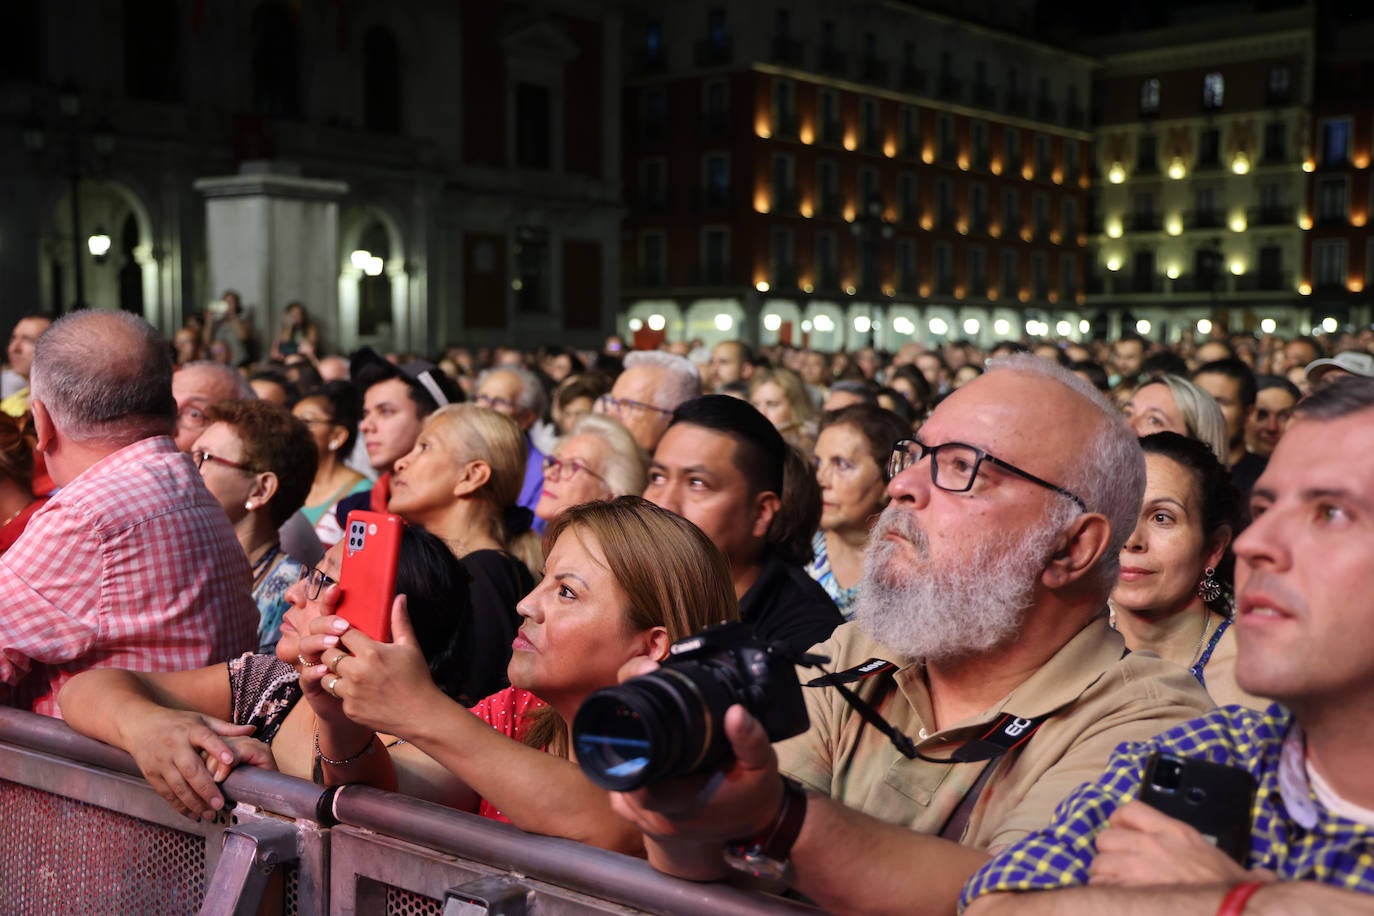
[766, 505]
[1080, 547]
[1217, 548]
[265, 486]
[43, 426]
[474, 478]
[654, 642]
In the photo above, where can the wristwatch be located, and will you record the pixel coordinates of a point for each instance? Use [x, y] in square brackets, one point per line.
[768, 854]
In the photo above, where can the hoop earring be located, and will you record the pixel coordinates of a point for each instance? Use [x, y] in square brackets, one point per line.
[1209, 589]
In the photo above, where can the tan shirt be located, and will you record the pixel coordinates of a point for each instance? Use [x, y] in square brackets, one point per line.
[1099, 699]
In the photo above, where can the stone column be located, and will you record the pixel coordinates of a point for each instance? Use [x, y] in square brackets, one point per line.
[274, 237]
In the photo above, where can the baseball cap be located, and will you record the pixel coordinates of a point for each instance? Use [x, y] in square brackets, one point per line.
[1352, 361]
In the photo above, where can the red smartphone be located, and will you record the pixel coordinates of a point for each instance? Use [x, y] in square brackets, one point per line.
[372, 546]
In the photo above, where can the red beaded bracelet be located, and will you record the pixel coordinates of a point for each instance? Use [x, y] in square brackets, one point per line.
[1233, 904]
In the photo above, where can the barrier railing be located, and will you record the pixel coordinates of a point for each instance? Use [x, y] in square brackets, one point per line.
[85, 833]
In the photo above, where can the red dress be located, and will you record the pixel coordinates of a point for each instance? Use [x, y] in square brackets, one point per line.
[509, 713]
[15, 526]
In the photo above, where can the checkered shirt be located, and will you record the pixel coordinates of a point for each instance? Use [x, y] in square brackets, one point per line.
[131, 565]
[1292, 834]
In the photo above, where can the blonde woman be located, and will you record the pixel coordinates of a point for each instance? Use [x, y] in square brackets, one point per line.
[460, 482]
[781, 396]
[625, 580]
[597, 460]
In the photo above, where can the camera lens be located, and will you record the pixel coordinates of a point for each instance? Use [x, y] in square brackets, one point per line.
[1168, 773]
[651, 727]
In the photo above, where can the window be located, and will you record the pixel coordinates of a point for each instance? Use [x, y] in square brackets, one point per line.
[381, 82]
[944, 204]
[1328, 259]
[1205, 200]
[1011, 212]
[1044, 165]
[828, 188]
[1068, 277]
[978, 209]
[944, 270]
[1040, 210]
[911, 135]
[871, 125]
[1144, 217]
[655, 116]
[784, 108]
[783, 22]
[949, 147]
[1275, 142]
[784, 268]
[653, 42]
[716, 98]
[715, 255]
[1143, 274]
[979, 137]
[977, 272]
[908, 210]
[906, 266]
[1009, 273]
[1213, 91]
[1011, 144]
[1333, 200]
[1040, 278]
[533, 126]
[716, 32]
[1068, 220]
[653, 183]
[1280, 83]
[784, 188]
[716, 179]
[652, 267]
[1208, 147]
[1270, 267]
[831, 129]
[1149, 96]
[868, 188]
[1146, 153]
[532, 270]
[827, 265]
[1071, 162]
[1335, 136]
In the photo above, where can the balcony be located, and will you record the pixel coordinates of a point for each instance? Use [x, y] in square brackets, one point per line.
[716, 125]
[827, 277]
[908, 214]
[1041, 231]
[872, 141]
[646, 63]
[1046, 110]
[1203, 219]
[1274, 154]
[1016, 103]
[653, 130]
[978, 223]
[782, 275]
[1207, 161]
[832, 131]
[715, 53]
[910, 145]
[787, 51]
[873, 70]
[650, 276]
[906, 279]
[1147, 165]
[713, 200]
[1142, 222]
[1145, 283]
[1333, 217]
[1271, 216]
[1279, 96]
[832, 62]
[984, 96]
[786, 124]
[913, 79]
[712, 273]
[829, 206]
[784, 201]
[944, 285]
[1266, 281]
[1075, 116]
[1199, 283]
[651, 201]
[982, 158]
[949, 152]
[946, 220]
[950, 88]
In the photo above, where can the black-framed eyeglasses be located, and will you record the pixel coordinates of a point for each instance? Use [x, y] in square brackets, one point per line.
[200, 456]
[315, 580]
[954, 466]
[558, 469]
[495, 403]
[609, 404]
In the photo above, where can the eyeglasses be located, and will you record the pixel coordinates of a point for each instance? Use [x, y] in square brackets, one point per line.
[954, 466]
[495, 403]
[558, 469]
[315, 580]
[609, 404]
[192, 418]
[200, 456]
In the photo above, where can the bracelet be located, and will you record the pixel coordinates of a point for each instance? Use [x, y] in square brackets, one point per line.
[367, 749]
[1233, 904]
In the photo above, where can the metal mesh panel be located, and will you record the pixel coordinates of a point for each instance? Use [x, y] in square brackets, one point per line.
[80, 857]
[401, 902]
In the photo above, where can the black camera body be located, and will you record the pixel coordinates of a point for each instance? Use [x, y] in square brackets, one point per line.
[672, 722]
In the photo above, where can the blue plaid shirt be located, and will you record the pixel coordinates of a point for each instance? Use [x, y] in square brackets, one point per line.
[1292, 834]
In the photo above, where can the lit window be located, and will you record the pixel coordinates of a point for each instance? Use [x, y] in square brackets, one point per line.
[1213, 91]
[1149, 96]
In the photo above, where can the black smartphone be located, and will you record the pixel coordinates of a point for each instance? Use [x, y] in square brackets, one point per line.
[1215, 799]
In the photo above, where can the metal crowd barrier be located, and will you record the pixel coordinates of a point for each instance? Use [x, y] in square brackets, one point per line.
[86, 834]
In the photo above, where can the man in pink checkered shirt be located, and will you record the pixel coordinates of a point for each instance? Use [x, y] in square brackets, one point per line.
[133, 564]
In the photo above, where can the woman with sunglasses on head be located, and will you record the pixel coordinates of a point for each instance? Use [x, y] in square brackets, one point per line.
[597, 460]
[257, 460]
[625, 579]
[187, 729]
[332, 413]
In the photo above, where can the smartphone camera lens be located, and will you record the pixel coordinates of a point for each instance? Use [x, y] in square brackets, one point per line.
[1168, 773]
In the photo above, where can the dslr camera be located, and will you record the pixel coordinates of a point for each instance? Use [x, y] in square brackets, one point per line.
[672, 722]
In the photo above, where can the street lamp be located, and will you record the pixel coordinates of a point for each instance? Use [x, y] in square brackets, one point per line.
[35, 137]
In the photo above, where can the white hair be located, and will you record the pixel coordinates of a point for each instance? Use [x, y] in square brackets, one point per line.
[1108, 473]
[1201, 413]
[532, 396]
[626, 471]
[681, 381]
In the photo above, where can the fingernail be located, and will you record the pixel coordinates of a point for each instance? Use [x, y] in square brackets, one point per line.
[339, 626]
[331, 640]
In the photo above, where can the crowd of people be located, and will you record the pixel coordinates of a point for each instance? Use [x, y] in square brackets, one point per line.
[1037, 564]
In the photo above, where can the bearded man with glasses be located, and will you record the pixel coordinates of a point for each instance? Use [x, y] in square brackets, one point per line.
[980, 634]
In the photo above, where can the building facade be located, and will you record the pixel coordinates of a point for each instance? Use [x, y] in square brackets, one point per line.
[1203, 149]
[849, 174]
[477, 145]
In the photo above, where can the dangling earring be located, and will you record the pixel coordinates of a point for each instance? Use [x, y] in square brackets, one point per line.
[1209, 589]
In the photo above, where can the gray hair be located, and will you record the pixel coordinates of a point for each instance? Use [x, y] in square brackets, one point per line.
[236, 387]
[104, 376]
[681, 381]
[626, 471]
[1201, 413]
[1108, 474]
[1337, 400]
[532, 397]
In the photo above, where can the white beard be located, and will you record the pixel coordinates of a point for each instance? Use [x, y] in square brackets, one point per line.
[965, 606]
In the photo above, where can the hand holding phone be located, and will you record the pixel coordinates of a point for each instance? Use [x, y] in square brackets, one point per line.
[372, 548]
[1214, 799]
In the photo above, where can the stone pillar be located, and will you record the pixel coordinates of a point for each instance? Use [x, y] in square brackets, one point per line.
[274, 237]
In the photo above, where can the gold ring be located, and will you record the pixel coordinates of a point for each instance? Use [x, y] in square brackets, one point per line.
[331, 684]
